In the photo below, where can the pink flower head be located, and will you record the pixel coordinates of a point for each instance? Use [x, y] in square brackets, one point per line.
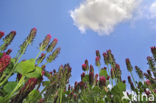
[43, 72]
[43, 54]
[34, 29]
[56, 40]
[97, 58]
[96, 76]
[84, 67]
[13, 32]
[102, 81]
[148, 82]
[48, 36]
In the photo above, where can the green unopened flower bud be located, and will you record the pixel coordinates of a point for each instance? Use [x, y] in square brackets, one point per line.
[7, 40]
[52, 45]
[45, 42]
[117, 71]
[53, 55]
[111, 59]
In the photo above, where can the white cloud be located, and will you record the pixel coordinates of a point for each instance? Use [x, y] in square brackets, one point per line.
[103, 15]
[152, 10]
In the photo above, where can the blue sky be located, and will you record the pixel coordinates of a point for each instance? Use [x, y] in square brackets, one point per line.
[131, 38]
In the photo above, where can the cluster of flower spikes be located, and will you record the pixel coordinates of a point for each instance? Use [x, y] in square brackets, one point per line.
[58, 80]
[44, 46]
[148, 77]
[24, 91]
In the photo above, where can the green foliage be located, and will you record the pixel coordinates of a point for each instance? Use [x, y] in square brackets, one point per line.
[26, 67]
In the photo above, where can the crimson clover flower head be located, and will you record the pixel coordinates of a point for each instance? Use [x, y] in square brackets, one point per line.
[153, 50]
[108, 77]
[91, 68]
[43, 54]
[97, 61]
[128, 64]
[7, 40]
[43, 72]
[102, 81]
[98, 53]
[151, 63]
[34, 29]
[52, 45]
[139, 72]
[53, 55]
[45, 42]
[82, 75]
[96, 75]
[1, 34]
[13, 32]
[81, 84]
[148, 82]
[87, 65]
[91, 78]
[84, 67]
[4, 61]
[105, 56]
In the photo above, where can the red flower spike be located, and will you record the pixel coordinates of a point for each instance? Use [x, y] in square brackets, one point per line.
[129, 66]
[91, 78]
[82, 75]
[105, 56]
[91, 68]
[102, 81]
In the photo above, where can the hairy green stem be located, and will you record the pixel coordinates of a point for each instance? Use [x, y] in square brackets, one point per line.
[17, 87]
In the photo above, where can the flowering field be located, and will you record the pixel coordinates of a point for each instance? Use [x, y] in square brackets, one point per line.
[107, 86]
